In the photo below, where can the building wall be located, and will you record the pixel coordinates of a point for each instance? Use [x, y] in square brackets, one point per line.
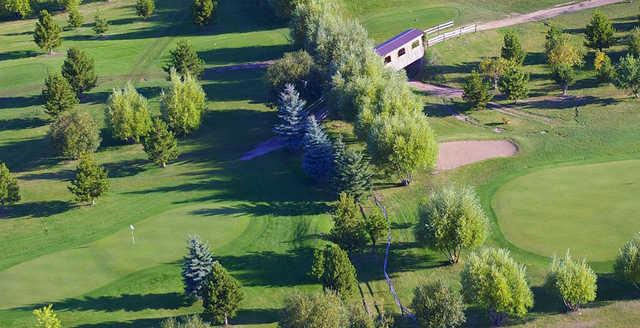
[411, 55]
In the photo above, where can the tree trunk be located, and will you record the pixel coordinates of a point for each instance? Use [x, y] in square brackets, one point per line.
[93, 202]
[565, 89]
[226, 320]
[164, 165]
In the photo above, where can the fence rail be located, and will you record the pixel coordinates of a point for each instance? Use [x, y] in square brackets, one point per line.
[438, 28]
[453, 34]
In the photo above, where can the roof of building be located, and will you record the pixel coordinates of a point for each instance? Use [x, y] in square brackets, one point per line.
[398, 41]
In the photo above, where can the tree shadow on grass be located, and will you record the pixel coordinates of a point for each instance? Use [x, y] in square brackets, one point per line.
[125, 302]
[62, 175]
[140, 323]
[272, 208]
[223, 56]
[256, 316]
[125, 168]
[35, 209]
[270, 268]
[18, 54]
[567, 102]
[28, 154]
[22, 123]
[19, 101]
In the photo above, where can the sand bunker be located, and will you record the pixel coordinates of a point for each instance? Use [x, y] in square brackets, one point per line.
[459, 153]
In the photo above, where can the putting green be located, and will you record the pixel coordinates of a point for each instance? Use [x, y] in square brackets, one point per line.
[590, 209]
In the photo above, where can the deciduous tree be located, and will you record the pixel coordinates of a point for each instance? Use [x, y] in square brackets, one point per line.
[319, 310]
[191, 321]
[563, 59]
[334, 270]
[47, 32]
[160, 145]
[437, 306]
[90, 181]
[101, 24]
[494, 68]
[20, 8]
[627, 265]
[196, 266]
[297, 68]
[291, 118]
[628, 75]
[349, 229]
[183, 105]
[634, 42]
[203, 11]
[452, 220]
[9, 188]
[377, 226]
[221, 294]
[79, 69]
[599, 33]
[184, 59]
[574, 281]
[74, 133]
[476, 92]
[605, 70]
[145, 8]
[58, 95]
[128, 115]
[74, 18]
[46, 317]
[552, 38]
[492, 280]
[512, 49]
[317, 160]
[514, 84]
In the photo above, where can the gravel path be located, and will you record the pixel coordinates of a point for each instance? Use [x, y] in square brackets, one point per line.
[459, 153]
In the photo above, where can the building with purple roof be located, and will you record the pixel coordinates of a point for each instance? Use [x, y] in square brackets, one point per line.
[403, 49]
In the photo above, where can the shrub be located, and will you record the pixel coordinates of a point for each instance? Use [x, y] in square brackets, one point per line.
[297, 68]
[320, 310]
[574, 281]
[628, 75]
[437, 306]
[627, 265]
[74, 133]
[605, 70]
[9, 188]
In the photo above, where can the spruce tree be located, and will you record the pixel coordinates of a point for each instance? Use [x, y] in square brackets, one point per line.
[161, 145]
[221, 294]
[74, 19]
[335, 271]
[476, 92]
[145, 8]
[196, 266]
[599, 34]
[514, 84]
[9, 189]
[203, 11]
[47, 32]
[58, 95]
[79, 69]
[291, 118]
[317, 161]
[353, 173]
[90, 180]
[101, 25]
[512, 50]
[184, 59]
[349, 229]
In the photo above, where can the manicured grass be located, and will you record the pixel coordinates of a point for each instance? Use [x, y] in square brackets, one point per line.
[586, 208]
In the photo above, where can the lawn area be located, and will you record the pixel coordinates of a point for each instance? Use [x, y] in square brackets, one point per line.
[264, 217]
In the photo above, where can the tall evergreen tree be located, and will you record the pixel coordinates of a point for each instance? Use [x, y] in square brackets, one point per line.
[21, 8]
[221, 294]
[317, 160]
[58, 95]
[47, 32]
[599, 34]
[476, 92]
[184, 59]
[514, 84]
[512, 49]
[79, 69]
[552, 38]
[9, 189]
[349, 229]
[90, 181]
[291, 118]
[74, 19]
[145, 8]
[161, 145]
[101, 24]
[46, 317]
[203, 11]
[196, 266]
[353, 173]
[335, 271]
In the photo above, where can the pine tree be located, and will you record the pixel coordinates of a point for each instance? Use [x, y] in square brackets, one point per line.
[74, 19]
[127, 114]
[184, 59]
[203, 11]
[514, 84]
[317, 160]
[21, 8]
[58, 95]
[599, 34]
[161, 145]
[196, 266]
[46, 318]
[47, 32]
[552, 38]
[221, 294]
[79, 69]
[512, 50]
[90, 181]
[291, 118]
[349, 229]
[9, 189]
[335, 271]
[353, 173]
[476, 92]
[145, 8]
[101, 25]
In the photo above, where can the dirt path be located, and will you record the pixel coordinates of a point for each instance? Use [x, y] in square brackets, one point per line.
[545, 14]
[459, 153]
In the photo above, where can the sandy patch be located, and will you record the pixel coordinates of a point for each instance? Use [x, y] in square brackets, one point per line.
[460, 153]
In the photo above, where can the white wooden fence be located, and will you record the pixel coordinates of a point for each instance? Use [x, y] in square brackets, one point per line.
[438, 28]
[450, 35]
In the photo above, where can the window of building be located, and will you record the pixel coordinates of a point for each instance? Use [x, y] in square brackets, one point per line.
[387, 59]
[415, 44]
[401, 52]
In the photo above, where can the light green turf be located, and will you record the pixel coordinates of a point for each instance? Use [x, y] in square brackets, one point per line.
[590, 209]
